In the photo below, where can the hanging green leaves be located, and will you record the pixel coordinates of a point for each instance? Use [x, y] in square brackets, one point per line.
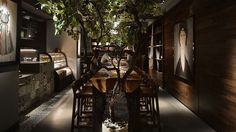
[117, 21]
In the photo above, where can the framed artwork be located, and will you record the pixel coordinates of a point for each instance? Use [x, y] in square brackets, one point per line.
[184, 49]
[8, 32]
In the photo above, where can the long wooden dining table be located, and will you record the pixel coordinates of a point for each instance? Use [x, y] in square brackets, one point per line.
[103, 81]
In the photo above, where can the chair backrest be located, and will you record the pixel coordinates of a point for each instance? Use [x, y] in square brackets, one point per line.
[79, 84]
[149, 83]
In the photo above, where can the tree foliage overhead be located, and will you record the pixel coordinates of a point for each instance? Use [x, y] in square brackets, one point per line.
[117, 21]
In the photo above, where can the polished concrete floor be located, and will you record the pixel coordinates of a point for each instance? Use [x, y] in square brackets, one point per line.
[55, 116]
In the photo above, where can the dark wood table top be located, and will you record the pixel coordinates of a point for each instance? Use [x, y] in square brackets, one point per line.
[105, 80]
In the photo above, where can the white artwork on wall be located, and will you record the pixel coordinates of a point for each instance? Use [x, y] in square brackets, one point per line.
[8, 26]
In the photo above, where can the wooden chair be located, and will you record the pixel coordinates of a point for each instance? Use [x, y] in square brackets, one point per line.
[82, 111]
[148, 105]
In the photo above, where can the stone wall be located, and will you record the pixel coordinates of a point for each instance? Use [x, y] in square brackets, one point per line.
[35, 88]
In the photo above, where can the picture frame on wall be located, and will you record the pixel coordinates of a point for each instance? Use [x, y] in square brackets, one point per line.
[8, 32]
[184, 49]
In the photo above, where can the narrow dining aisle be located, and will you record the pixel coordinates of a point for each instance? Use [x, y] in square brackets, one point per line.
[55, 116]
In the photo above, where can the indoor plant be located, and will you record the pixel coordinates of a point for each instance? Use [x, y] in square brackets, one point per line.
[122, 22]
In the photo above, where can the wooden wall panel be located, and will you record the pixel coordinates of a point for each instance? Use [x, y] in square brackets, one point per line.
[217, 63]
[212, 95]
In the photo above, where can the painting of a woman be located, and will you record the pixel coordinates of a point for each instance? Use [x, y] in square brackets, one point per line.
[5, 35]
[7, 30]
[183, 42]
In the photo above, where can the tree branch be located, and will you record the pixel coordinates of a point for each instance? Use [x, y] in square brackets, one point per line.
[102, 26]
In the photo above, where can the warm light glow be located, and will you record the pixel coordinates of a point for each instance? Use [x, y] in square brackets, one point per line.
[182, 57]
[28, 50]
[116, 24]
[79, 44]
[27, 17]
[182, 42]
[173, 111]
[114, 31]
[4, 10]
[58, 113]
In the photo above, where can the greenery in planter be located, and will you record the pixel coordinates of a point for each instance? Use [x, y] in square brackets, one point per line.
[122, 22]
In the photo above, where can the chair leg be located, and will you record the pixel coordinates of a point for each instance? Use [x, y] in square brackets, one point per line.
[79, 111]
[83, 103]
[73, 114]
[147, 105]
[158, 113]
[153, 111]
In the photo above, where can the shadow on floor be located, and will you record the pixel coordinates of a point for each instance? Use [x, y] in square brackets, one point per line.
[57, 116]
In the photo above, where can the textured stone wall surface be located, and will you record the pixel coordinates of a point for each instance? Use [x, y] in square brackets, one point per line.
[35, 88]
